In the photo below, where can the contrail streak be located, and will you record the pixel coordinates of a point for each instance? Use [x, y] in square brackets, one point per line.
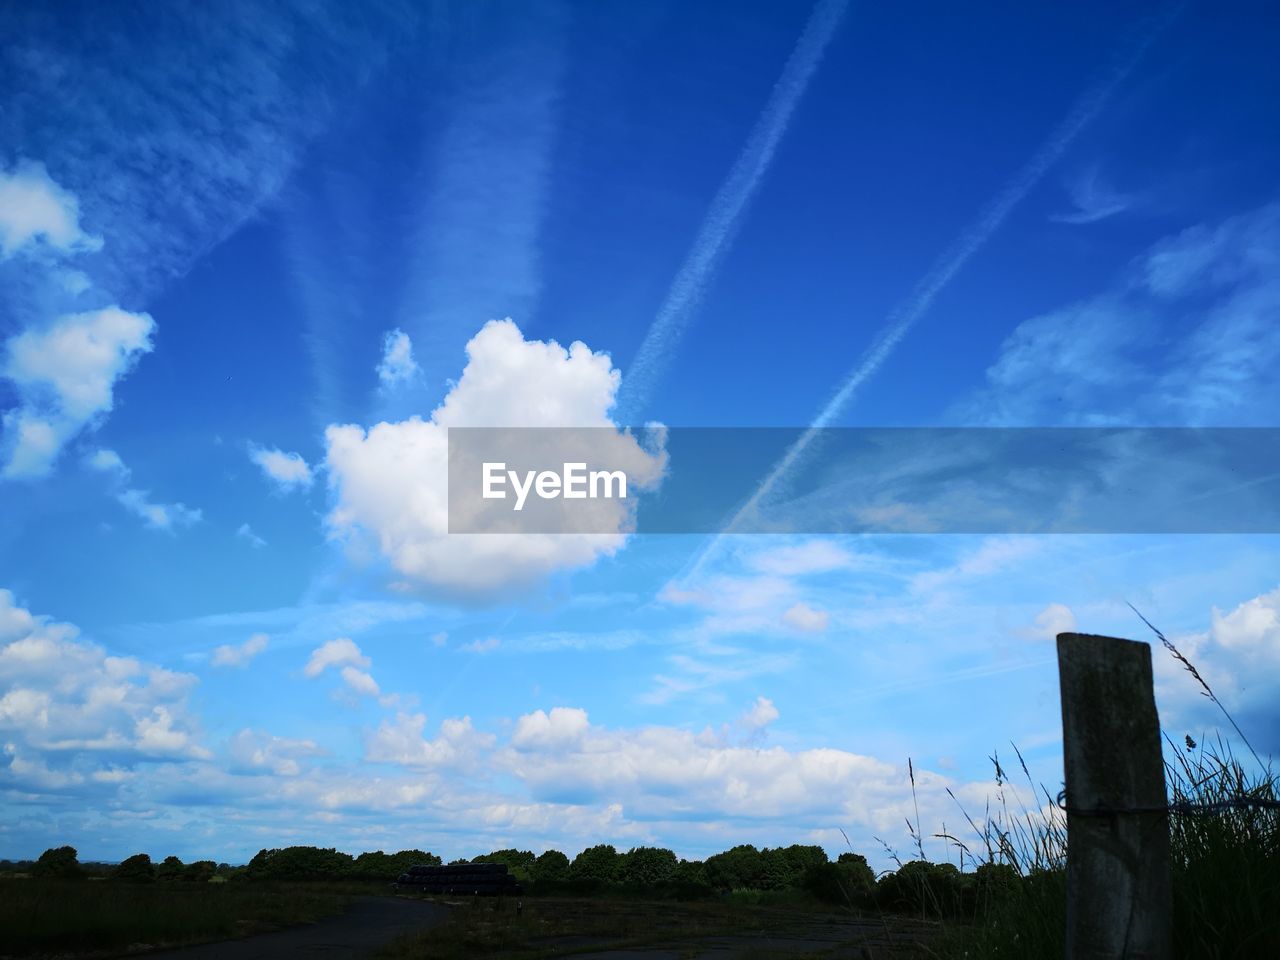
[723, 217]
[944, 269]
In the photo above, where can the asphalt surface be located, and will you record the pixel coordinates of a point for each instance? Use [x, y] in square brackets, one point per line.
[368, 924]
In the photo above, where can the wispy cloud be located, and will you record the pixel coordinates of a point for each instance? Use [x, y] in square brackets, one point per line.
[232, 655]
[944, 270]
[723, 218]
[1093, 199]
[245, 532]
[167, 517]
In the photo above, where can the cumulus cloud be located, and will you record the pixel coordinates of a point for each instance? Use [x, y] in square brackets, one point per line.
[397, 365]
[245, 532]
[761, 714]
[256, 752]
[35, 211]
[340, 652]
[65, 695]
[390, 482]
[1054, 619]
[561, 727]
[65, 375]
[665, 772]
[361, 682]
[486, 645]
[288, 471]
[238, 655]
[805, 618]
[403, 741]
[1239, 656]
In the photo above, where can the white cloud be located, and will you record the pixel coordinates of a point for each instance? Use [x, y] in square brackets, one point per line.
[64, 694]
[487, 645]
[339, 652]
[561, 727]
[1188, 338]
[1054, 619]
[402, 741]
[809, 557]
[256, 752]
[439, 639]
[231, 655]
[288, 471]
[805, 618]
[245, 532]
[761, 714]
[360, 681]
[158, 516]
[65, 375]
[390, 482]
[35, 210]
[397, 365]
[109, 462]
[992, 555]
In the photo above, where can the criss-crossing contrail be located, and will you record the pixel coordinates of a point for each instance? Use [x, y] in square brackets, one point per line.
[971, 240]
[723, 217]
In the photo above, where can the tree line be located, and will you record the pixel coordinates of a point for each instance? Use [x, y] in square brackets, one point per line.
[918, 886]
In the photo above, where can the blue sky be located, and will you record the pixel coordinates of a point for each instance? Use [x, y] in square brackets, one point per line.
[253, 264]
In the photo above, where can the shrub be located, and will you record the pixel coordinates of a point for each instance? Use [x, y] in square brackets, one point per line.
[921, 887]
[299, 863]
[550, 867]
[58, 863]
[136, 869]
[171, 868]
[647, 866]
[849, 881]
[598, 864]
[202, 871]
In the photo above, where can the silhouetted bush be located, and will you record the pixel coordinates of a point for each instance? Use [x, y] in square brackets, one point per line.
[920, 887]
[58, 863]
[647, 866]
[136, 869]
[597, 864]
[550, 866]
[300, 863]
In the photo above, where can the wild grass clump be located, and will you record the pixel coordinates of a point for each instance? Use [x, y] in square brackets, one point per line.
[1224, 846]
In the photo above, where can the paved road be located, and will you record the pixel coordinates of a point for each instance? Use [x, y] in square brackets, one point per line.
[369, 923]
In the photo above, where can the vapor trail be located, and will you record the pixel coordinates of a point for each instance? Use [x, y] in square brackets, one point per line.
[971, 240]
[723, 217]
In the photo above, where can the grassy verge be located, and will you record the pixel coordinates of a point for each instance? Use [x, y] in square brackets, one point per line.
[103, 917]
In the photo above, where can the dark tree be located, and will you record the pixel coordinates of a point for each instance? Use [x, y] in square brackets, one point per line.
[550, 867]
[646, 866]
[136, 869]
[58, 863]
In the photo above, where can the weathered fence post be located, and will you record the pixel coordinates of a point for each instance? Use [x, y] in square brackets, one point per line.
[1119, 886]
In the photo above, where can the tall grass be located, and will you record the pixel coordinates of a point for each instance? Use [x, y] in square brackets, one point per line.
[1225, 857]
